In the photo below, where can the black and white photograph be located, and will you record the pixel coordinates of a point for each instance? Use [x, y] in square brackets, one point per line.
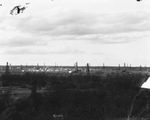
[74, 59]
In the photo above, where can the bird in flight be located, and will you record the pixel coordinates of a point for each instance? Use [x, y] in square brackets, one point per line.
[18, 9]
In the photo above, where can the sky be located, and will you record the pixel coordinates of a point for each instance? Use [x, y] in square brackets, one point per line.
[63, 32]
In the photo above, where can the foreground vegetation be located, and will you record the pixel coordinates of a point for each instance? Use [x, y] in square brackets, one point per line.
[76, 97]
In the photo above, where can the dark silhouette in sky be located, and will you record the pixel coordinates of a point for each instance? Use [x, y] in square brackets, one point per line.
[17, 9]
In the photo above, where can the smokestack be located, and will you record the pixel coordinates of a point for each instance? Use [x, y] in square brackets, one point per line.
[7, 69]
[87, 69]
[37, 66]
[44, 67]
[103, 65]
[124, 64]
[76, 66]
[119, 66]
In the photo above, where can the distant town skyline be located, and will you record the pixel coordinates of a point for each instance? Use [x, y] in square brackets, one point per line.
[67, 31]
[124, 65]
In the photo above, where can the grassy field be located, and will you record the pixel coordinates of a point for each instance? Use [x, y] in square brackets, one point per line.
[76, 97]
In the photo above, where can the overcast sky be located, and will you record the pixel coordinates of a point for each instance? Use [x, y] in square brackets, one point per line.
[68, 31]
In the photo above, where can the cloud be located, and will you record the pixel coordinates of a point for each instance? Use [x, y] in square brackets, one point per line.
[23, 42]
[76, 25]
[35, 51]
[85, 23]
